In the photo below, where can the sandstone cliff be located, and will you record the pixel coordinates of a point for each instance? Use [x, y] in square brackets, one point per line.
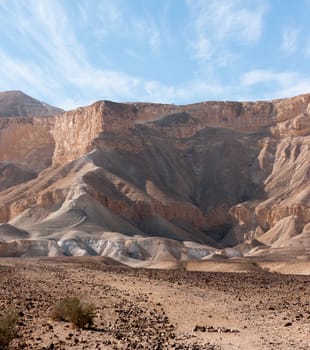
[27, 141]
[26, 144]
[219, 173]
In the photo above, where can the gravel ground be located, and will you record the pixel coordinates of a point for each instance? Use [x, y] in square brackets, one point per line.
[155, 309]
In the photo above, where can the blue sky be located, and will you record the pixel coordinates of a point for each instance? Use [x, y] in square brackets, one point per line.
[73, 52]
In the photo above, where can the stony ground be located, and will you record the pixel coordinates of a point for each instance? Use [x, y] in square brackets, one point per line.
[155, 309]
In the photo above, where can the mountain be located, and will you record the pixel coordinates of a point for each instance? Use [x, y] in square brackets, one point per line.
[18, 104]
[17, 108]
[150, 184]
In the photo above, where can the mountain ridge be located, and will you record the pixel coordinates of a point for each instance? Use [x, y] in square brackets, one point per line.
[15, 103]
[221, 174]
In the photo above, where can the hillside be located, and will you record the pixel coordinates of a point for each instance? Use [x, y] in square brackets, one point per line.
[151, 184]
[17, 104]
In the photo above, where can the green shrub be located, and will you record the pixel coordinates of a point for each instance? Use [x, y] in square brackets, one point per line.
[73, 310]
[8, 330]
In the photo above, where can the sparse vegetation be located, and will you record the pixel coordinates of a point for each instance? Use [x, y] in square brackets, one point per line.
[72, 310]
[8, 330]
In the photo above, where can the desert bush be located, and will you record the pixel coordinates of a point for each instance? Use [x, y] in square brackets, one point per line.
[72, 310]
[8, 330]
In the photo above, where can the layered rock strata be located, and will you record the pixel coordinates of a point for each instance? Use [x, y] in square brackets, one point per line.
[216, 173]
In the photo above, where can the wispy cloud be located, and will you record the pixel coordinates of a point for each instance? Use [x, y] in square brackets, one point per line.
[194, 89]
[289, 40]
[65, 60]
[261, 76]
[203, 49]
[14, 72]
[52, 59]
[300, 85]
[217, 22]
[46, 24]
[83, 13]
[276, 84]
[112, 18]
[148, 31]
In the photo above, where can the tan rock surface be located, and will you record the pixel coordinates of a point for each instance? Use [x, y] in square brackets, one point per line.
[27, 141]
[26, 145]
[216, 173]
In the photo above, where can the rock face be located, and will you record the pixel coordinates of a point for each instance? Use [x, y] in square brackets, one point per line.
[27, 141]
[26, 144]
[18, 104]
[233, 177]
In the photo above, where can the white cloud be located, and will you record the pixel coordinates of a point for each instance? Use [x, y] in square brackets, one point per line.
[298, 87]
[110, 15]
[277, 84]
[203, 49]
[107, 17]
[60, 68]
[147, 30]
[31, 77]
[192, 90]
[289, 40]
[65, 60]
[218, 22]
[262, 76]
[64, 64]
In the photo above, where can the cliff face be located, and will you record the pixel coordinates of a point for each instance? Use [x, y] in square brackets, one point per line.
[74, 132]
[26, 144]
[27, 141]
[219, 173]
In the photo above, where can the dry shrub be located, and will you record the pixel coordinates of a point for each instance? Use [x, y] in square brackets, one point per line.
[8, 330]
[72, 310]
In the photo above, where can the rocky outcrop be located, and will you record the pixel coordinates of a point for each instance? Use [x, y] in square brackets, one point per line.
[74, 132]
[26, 144]
[217, 173]
[27, 141]
[17, 104]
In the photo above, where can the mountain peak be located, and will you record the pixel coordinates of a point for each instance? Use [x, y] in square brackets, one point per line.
[15, 103]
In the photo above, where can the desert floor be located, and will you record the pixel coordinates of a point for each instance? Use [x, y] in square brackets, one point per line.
[156, 309]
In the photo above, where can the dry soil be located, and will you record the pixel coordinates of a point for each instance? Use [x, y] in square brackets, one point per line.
[155, 309]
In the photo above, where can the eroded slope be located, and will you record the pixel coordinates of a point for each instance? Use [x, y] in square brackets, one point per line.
[221, 174]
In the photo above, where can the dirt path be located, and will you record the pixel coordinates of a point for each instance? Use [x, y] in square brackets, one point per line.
[156, 309]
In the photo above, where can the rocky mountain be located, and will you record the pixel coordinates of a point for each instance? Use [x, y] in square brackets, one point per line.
[17, 104]
[148, 184]
[25, 151]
